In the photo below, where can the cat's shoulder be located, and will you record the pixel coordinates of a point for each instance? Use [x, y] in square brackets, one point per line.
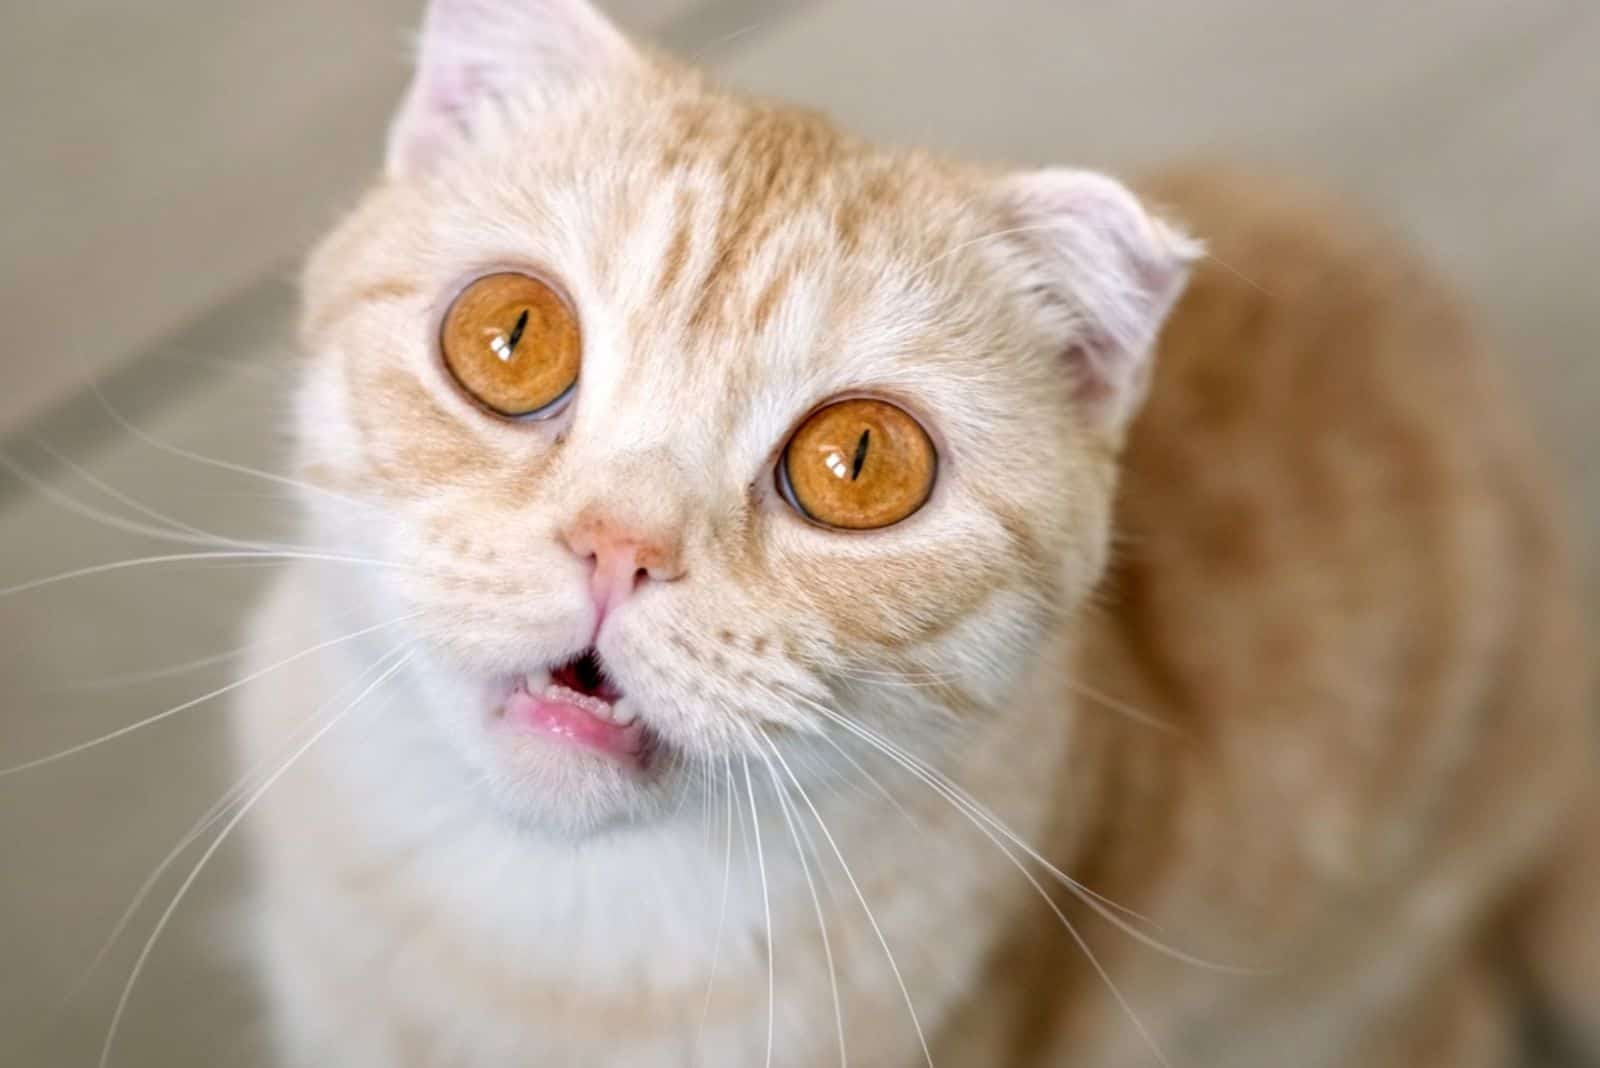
[1332, 481]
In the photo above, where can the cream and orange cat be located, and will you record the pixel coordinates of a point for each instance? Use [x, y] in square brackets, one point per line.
[840, 604]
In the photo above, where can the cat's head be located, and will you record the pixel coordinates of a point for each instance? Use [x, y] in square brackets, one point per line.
[692, 426]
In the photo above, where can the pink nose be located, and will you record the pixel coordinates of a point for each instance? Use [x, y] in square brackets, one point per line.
[621, 560]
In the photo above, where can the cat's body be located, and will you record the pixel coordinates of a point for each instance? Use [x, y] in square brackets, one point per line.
[1324, 716]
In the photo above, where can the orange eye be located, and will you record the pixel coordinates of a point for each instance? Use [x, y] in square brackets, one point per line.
[858, 465]
[512, 342]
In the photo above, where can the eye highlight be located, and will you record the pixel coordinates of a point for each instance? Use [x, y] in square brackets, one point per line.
[512, 342]
[857, 464]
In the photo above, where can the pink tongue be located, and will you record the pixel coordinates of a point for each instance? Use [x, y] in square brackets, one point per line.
[554, 716]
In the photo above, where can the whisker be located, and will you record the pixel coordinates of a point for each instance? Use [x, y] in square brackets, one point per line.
[871, 779]
[675, 761]
[1139, 716]
[180, 531]
[1094, 961]
[815, 853]
[40, 762]
[219, 809]
[816, 902]
[210, 461]
[176, 558]
[1231, 269]
[955, 796]
[216, 843]
[64, 500]
[131, 678]
[822, 825]
[915, 682]
[722, 909]
[766, 908]
[866, 674]
[169, 529]
[1145, 1034]
[1101, 905]
[125, 499]
[699, 784]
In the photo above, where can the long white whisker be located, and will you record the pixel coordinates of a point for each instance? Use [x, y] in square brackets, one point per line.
[65, 500]
[1094, 961]
[215, 813]
[178, 558]
[1101, 905]
[40, 762]
[766, 907]
[706, 789]
[822, 825]
[866, 674]
[130, 678]
[962, 801]
[126, 500]
[816, 902]
[815, 855]
[871, 779]
[722, 909]
[185, 532]
[1138, 716]
[675, 761]
[211, 461]
[216, 843]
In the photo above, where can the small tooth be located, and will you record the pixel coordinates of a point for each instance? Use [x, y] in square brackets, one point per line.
[595, 706]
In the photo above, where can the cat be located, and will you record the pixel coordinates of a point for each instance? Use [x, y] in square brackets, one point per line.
[828, 603]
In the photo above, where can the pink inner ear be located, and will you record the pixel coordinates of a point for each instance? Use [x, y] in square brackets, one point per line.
[434, 118]
[1095, 251]
[478, 53]
[1091, 379]
[451, 93]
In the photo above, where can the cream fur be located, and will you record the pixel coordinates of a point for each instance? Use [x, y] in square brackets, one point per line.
[433, 893]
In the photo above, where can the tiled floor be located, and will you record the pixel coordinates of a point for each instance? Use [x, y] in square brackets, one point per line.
[1467, 124]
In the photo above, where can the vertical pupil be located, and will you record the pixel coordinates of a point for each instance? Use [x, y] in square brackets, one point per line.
[506, 347]
[861, 454]
[516, 331]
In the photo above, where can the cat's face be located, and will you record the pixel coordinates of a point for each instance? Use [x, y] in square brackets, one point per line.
[581, 359]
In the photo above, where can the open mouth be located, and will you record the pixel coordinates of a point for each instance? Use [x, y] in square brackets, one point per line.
[578, 703]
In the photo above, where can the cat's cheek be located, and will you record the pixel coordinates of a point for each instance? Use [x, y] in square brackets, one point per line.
[325, 439]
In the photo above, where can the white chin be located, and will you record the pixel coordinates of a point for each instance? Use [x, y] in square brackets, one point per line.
[548, 784]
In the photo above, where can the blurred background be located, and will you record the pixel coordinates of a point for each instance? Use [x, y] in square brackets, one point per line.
[164, 165]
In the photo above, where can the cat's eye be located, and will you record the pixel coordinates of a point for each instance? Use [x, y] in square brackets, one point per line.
[858, 464]
[512, 342]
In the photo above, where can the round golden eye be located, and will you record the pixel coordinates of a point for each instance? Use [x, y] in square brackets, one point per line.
[857, 465]
[512, 342]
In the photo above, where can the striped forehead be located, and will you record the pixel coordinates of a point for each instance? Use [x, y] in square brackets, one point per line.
[732, 293]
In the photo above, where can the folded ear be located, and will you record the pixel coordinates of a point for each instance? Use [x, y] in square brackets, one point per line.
[474, 55]
[1102, 273]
